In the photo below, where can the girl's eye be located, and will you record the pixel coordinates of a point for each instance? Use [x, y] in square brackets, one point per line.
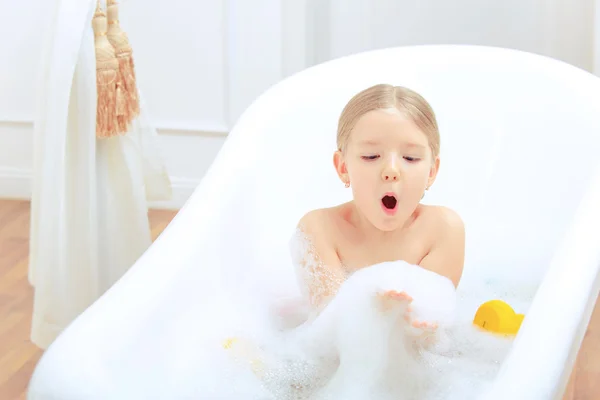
[370, 158]
[411, 159]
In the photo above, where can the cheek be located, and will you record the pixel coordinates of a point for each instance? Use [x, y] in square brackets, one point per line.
[415, 177]
[362, 177]
[418, 171]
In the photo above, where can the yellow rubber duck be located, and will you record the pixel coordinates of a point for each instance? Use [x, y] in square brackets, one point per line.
[498, 317]
[243, 349]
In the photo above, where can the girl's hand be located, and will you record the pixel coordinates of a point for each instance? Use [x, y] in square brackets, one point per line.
[393, 299]
[415, 328]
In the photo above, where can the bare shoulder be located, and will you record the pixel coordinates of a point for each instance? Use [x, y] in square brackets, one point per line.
[315, 223]
[317, 226]
[324, 220]
[444, 219]
[447, 252]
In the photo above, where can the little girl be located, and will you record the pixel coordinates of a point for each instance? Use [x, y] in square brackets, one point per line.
[343, 347]
[388, 154]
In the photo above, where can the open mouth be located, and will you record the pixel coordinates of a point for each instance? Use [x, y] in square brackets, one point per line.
[389, 202]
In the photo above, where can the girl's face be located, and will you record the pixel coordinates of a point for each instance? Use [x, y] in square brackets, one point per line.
[389, 165]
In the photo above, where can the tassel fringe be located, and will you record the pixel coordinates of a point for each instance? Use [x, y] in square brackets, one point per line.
[107, 71]
[118, 100]
[124, 53]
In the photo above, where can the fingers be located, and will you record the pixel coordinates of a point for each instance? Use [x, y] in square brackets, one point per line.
[393, 299]
[394, 294]
[425, 325]
[402, 296]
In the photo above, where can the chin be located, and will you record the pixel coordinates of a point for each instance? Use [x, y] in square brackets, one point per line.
[389, 225]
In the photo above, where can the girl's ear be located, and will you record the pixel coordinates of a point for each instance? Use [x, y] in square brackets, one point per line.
[340, 166]
[435, 166]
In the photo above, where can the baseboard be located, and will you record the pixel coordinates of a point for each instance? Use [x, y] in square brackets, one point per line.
[15, 183]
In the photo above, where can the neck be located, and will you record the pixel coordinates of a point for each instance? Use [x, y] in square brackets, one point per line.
[374, 234]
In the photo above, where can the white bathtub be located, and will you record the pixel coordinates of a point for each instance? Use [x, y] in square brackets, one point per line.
[520, 145]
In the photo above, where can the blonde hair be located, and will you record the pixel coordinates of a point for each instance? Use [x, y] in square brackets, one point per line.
[384, 96]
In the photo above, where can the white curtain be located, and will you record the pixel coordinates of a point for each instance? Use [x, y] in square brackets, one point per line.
[89, 219]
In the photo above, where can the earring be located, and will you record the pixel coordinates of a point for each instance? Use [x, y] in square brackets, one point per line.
[347, 185]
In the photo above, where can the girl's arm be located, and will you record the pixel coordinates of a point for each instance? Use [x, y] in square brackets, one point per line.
[318, 266]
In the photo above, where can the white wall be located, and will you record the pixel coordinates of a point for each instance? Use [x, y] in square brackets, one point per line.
[201, 63]
[597, 38]
[562, 29]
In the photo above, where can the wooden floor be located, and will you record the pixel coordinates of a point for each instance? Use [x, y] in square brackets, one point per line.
[18, 355]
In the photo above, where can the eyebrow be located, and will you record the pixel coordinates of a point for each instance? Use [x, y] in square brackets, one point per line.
[370, 142]
[415, 145]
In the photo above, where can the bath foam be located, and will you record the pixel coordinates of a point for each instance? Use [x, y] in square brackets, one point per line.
[262, 340]
[352, 349]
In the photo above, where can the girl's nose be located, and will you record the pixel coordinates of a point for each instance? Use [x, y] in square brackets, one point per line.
[390, 173]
